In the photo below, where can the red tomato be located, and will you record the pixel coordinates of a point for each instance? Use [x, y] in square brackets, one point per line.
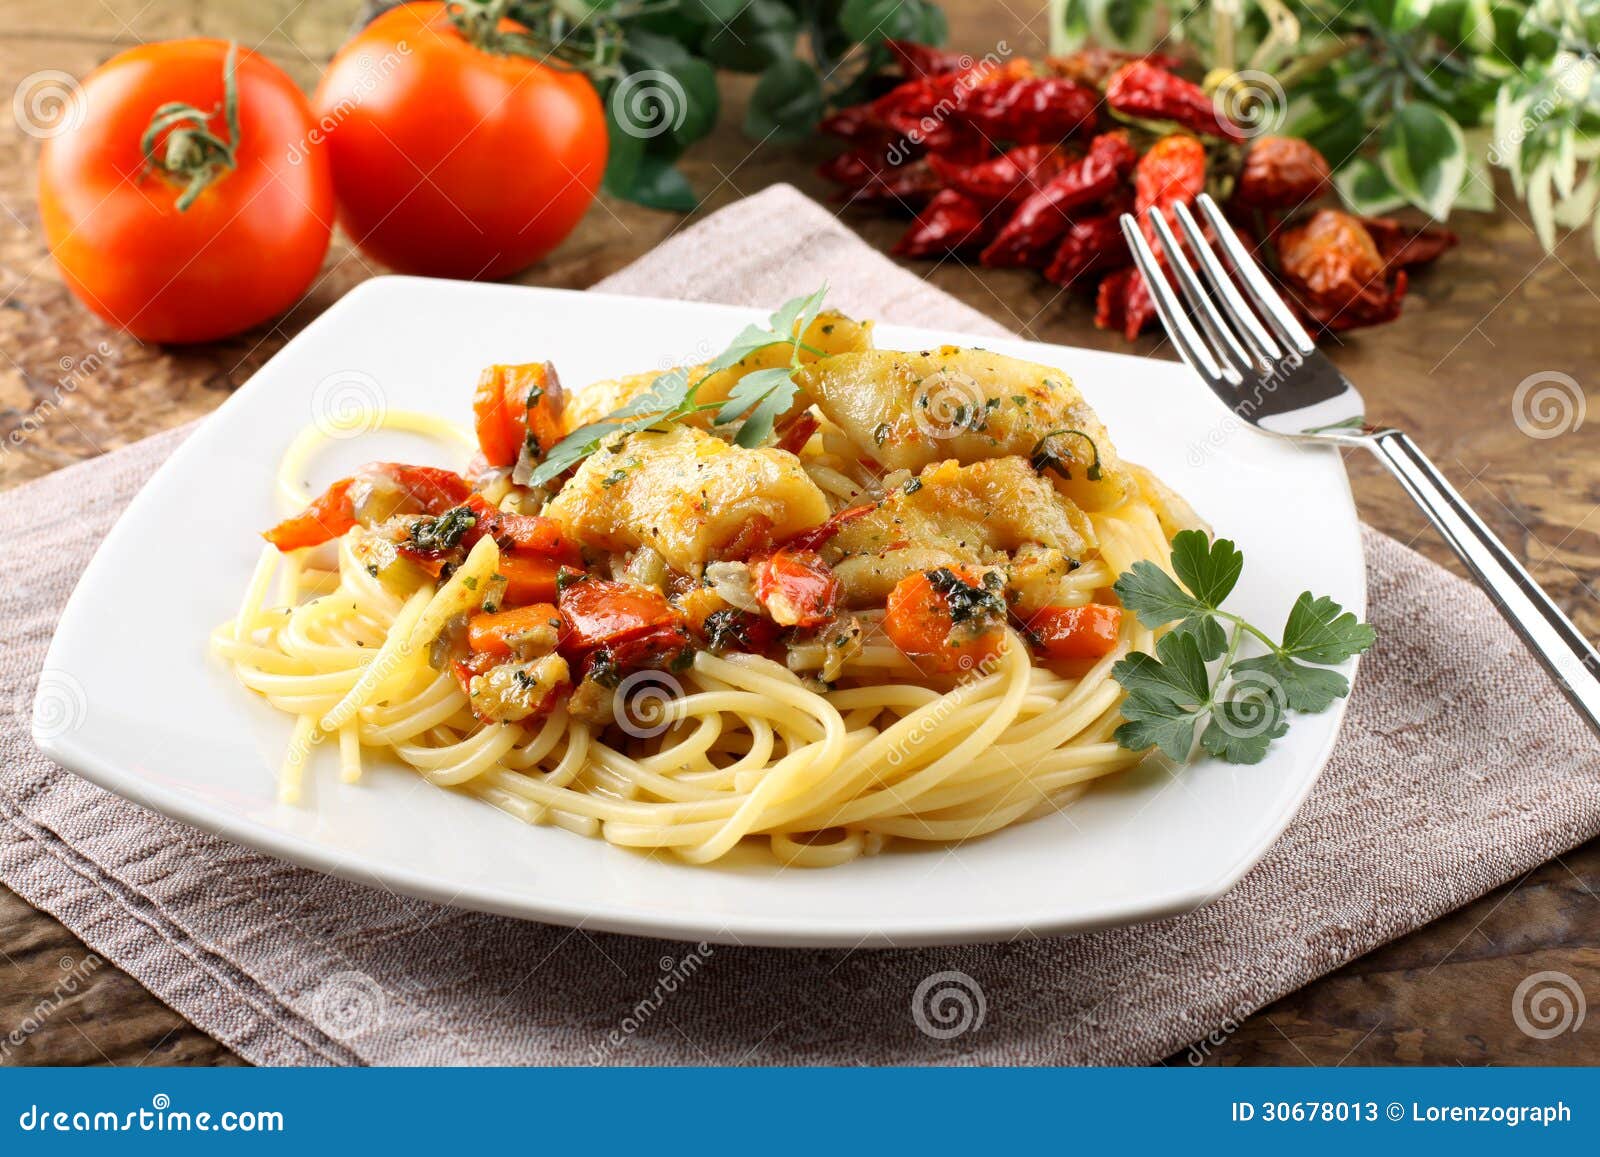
[1069, 633]
[796, 588]
[244, 250]
[451, 160]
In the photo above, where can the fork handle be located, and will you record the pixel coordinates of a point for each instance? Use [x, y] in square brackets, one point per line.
[1543, 626]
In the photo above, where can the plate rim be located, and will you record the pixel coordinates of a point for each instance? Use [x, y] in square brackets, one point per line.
[768, 931]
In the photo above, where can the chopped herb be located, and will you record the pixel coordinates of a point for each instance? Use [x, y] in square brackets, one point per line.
[968, 603]
[566, 577]
[442, 534]
[1044, 458]
[912, 485]
[470, 582]
[613, 478]
[880, 433]
[1020, 399]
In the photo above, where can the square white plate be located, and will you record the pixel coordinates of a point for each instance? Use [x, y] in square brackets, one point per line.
[153, 716]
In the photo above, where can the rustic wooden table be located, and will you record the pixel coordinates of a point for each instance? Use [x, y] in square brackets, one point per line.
[1496, 311]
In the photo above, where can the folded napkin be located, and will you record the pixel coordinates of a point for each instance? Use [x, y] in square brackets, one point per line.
[1459, 769]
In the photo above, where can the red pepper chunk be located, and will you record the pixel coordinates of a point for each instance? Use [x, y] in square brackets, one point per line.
[796, 588]
[328, 516]
[1073, 633]
[520, 533]
[1029, 236]
[1142, 90]
[513, 402]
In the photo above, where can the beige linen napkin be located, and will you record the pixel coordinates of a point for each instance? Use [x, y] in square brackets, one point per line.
[1459, 768]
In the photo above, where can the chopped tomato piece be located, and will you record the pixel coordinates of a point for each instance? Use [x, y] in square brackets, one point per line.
[599, 613]
[946, 620]
[390, 488]
[325, 519]
[524, 533]
[1066, 633]
[510, 404]
[755, 536]
[818, 536]
[796, 588]
[530, 578]
[501, 632]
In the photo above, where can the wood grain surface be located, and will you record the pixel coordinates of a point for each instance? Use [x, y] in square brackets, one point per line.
[1495, 313]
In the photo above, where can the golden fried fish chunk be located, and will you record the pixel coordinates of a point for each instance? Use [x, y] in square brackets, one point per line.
[686, 494]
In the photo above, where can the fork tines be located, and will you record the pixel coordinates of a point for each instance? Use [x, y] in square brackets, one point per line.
[1236, 328]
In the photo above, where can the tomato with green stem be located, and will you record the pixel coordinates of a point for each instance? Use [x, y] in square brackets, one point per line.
[190, 201]
[456, 150]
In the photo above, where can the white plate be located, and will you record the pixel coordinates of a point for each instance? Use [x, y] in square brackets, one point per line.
[132, 700]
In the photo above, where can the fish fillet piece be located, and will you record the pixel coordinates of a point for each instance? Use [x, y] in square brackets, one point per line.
[908, 410]
[952, 513]
[685, 493]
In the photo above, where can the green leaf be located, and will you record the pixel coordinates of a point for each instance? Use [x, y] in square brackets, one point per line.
[1153, 595]
[1309, 689]
[1209, 569]
[751, 338]
[1242, 728]
[1176, 672]
[1319, 630]
[786, 104]
[1477, 187]
[755, 387]
[795, 316]
[1423, 154]
[1365, 190]
[1156, 723]
[759, 33]
[874, 21]
[657, 184]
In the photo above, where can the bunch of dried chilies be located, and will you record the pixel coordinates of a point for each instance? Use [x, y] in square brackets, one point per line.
[1029, 166]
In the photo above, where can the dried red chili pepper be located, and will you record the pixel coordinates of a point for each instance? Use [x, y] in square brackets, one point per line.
[1280, 173]
[1173, 171]
[1029, 237]
[948, 223]
[1008, 177]
[1031, 109]
[1091, 245]
[869, 180]
[856, 122]
[1123, 303]
[1142, 90]
[1404, 246]
[1336, 274]
[927, 111]
[924, 60]
[1094, 66]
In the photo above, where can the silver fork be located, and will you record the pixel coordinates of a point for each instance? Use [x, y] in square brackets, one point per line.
[1241, 338]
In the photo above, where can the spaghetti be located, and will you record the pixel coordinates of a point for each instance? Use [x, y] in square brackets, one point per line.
[906, 663]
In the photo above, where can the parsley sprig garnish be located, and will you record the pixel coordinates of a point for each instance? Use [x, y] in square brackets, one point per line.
[1197, 681]
[758, 397]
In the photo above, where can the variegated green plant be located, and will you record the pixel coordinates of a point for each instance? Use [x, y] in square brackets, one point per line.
[1412, 101]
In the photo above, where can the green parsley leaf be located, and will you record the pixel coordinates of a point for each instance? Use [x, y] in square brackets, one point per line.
[1310, 689]
[1242, 728]
[1244, 705]
[1209, 569]
[1319, 630]
[1149, 592]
